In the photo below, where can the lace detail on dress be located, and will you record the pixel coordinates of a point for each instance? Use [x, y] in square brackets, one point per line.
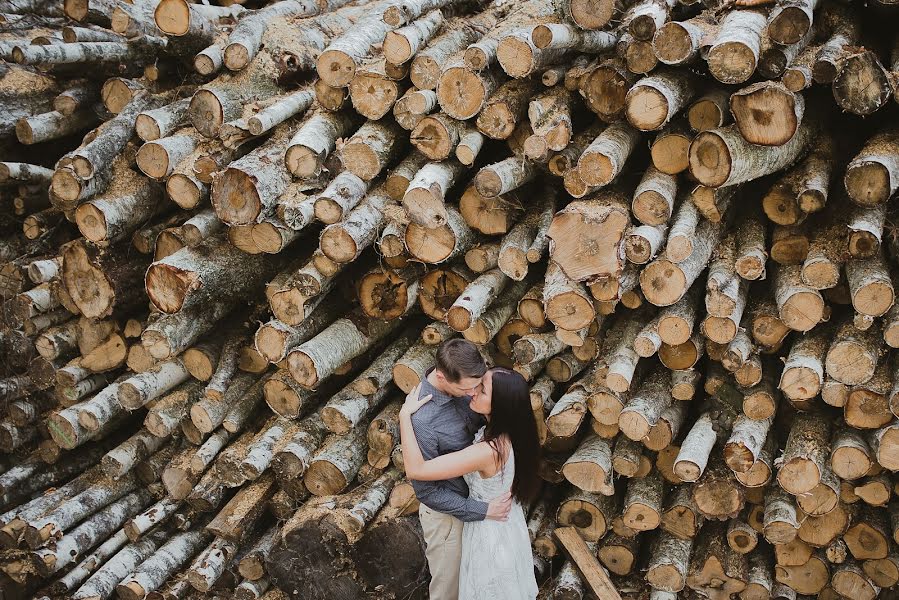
[497, 563]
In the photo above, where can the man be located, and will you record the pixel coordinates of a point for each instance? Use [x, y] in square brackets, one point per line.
[443, 425]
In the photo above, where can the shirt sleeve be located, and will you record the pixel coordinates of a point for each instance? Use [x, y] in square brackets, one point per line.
[438, 497]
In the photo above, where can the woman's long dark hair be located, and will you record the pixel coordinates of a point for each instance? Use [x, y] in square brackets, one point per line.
[511, 416]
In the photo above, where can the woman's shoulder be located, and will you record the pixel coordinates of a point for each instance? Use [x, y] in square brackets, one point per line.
[500, 444]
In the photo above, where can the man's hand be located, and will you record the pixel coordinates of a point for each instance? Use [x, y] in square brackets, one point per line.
[499, 507]
[413, 402]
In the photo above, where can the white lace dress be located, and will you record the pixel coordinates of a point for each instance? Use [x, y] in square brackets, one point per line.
[497, 563]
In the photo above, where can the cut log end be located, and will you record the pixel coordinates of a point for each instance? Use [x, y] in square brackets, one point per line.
[336, 68]
[172, 17]
[710, 159]
[207, 114]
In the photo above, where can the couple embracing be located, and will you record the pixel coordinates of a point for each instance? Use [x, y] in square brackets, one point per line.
[470, 449]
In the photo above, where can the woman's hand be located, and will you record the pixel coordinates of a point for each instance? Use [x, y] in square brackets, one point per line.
[413, 402]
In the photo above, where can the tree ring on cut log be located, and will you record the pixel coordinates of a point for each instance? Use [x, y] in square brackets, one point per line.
[647, 108]
[147, 128]
[75, 9]
[590, 522]
[281, 398]
[236, 191]
[432, 138]
[489, 215]
[515, 56]
[337, 244]
[116, 95]
[820, 500]
[720, 330]
[665, 282]
[302, 161]
[800, 383]
[710, 160]
[424, 202]
[868, 182]
[803, 310]
[287, 305]
[156, 343]
[863, 244]
[91, 291]
[430, 245]
[461, 93]
[383, 295]
[170, 286]
[850, 583]
[824, 273]
[498, 120]
[862, 86]
[397, 49]
[875, 298]
[758, 475]
[796, 475]
[66, 185]
[62, 431]
[91, 222]
[536, 147]
[542, 36]
[597, 166]
[570, 311]
[674, 329]
[704, 115]
[850, 362]
[652, 207]
[592, 14]
[424, 72]
[866, 409]
[268, 239]
[767, 115]
[789, 25]
[336, 68]
[718, 498]
[670, 153]
[153, 160]
[673, 43]
[738, 457]
[605, 91]
[634, 424]
[687, 470]
[884, 572]
[322, 478]
[731, 62]
[172, 17]
[236, 57]
[438, 290]
[363, 158]
[808, 578]
[207, 114]
[640, 57]
[680, 356]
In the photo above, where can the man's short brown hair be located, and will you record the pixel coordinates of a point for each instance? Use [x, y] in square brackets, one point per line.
[458, 359]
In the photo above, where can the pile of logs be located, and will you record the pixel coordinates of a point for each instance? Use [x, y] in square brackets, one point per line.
[232, 237]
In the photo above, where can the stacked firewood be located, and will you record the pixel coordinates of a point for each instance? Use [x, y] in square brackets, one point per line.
[232, 237]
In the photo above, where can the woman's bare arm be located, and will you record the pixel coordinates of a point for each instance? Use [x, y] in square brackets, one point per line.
[477, 457]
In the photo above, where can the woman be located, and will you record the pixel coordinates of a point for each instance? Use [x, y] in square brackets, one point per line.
[497, 563]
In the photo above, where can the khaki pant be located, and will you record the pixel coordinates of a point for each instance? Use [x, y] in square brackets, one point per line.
[443, 535]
